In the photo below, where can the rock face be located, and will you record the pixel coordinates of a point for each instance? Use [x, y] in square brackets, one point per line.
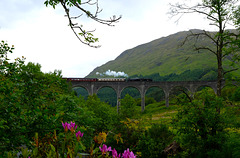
[165, 55]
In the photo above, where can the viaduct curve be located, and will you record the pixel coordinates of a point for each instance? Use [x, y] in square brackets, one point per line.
[143, 86]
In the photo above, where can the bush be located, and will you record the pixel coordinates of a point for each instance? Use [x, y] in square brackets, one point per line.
[200, 126]
[153, 141]
[127, 133]
[106, 115]
[236, 95]
[128, 108]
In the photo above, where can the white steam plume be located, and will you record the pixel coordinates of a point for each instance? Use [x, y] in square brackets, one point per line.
[112, 73]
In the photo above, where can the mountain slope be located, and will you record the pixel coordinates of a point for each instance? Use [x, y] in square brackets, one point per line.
[164, 56]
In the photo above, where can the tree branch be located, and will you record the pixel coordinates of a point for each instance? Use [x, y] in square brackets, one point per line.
[230, 71]
[86, 37]
[205, 48]
[197, 36]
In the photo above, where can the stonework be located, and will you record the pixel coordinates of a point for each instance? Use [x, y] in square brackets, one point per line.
[143, 86]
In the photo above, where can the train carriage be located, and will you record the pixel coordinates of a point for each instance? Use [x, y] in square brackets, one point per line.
[107, 79]
[111, 79]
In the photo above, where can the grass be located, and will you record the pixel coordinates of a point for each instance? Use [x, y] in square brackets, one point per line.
[159, 113]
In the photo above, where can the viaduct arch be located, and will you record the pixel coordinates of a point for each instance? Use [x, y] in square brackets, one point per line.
[142, 87]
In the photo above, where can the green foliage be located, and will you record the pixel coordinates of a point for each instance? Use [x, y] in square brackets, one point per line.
[128, 108]
[29, 104]
[154, 140]
[200, 126]
[89, 38]
[210, 76]
[231, 148]
[106, 116]
[69, 3]
[108, 95]
[188, 75]
[36, 102]
[148, 100]
[231, 93]
[156, 93]
[33, 101]
[10, 97]
[63, 144]
[128, 132]
[81, 92]
[159, 108]
[4, 50]
[202, 91]
[236, 95]
[132, 91]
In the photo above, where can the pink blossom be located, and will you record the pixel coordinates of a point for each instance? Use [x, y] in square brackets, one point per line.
[128, 154]
[72, 126]
[105, 149]
[69, 126]
[79, 135]
[131, 155]
[65, 126]
[115, 154]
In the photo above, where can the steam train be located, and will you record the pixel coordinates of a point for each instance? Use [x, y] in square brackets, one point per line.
[108, 79]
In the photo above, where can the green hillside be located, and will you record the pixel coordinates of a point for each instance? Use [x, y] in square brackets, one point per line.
[164, 56]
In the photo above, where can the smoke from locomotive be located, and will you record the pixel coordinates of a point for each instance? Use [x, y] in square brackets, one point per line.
[112, 73]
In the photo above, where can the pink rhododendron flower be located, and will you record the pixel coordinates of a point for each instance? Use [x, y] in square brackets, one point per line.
[72, 127]
[65, 126]
[69, 126]
[79, 135]
[105, 149]
[131, 155]
[115, 154]
[128, 154]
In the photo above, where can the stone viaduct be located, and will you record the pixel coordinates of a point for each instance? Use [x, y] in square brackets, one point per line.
[143, 86]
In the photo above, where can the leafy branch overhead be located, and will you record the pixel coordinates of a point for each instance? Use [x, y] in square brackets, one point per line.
[85, 36]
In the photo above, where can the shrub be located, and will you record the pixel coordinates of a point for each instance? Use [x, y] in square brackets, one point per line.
[236, 95]
[200, 125]
[154, 140]
[128, 108]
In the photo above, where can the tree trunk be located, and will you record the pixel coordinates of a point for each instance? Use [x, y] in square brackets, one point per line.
[219, 52]
[219, 77]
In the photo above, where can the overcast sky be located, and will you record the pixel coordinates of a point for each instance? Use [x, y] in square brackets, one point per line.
[42, 34]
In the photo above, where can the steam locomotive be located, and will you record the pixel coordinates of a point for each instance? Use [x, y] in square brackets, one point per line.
[107, 79]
